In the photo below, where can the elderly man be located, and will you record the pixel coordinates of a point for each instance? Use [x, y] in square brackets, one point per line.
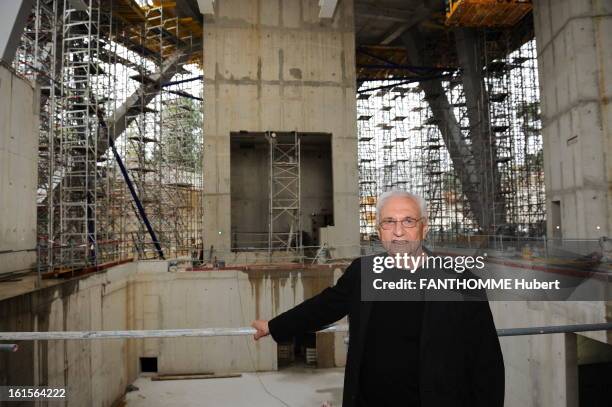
[404, 353]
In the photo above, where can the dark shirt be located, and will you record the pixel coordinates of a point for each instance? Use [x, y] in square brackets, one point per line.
[390, 370]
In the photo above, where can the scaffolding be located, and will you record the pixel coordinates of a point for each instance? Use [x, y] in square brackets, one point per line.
[121, 75]
[401, 147]
[367, 166]
[515, 120]
[486, 13]
[79, 127]
[163, 141]
[285, 228]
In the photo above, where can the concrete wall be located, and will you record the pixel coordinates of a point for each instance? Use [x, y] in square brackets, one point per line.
[541, 370]
[219, 299]
[317, 185]
[18, 171]
[95, 373]
[574, 41]
[250, 199]
[273, 65]
[574, 44]
[145, 295]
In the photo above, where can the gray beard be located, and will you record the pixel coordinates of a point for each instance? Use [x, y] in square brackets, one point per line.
[411, 248]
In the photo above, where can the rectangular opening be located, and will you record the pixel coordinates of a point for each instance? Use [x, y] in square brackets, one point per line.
[594, 360]
[253, 163]
[148, 365]
[301, 351]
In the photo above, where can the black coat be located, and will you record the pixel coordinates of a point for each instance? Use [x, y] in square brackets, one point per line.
[461, 363]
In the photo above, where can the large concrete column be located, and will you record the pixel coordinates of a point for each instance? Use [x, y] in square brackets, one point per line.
[18, 172]
[274, 65]
[574, 39]
[470, 52]
[473, 170]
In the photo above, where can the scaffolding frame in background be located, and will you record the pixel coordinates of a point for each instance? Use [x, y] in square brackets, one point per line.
[401, 147]
[92, 62]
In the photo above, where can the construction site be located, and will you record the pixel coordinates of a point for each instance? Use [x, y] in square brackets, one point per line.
[172, 170]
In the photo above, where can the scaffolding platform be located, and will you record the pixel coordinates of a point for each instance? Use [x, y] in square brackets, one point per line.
[486, 13]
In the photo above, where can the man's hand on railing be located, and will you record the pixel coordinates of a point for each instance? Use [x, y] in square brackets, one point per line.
[261, 326]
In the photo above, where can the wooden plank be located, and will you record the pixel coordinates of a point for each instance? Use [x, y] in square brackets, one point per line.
[195, 376]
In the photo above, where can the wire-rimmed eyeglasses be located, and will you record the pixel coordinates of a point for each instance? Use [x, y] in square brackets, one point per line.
[388, 224]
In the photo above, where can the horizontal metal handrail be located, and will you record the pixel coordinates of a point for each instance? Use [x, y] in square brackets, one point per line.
[244, 331]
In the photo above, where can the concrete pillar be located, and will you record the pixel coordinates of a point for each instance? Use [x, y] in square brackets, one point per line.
[470, 51]
[574, 40]
[542, 370]
[554, 353]
[19, 121]
[471, 170]
[273, 65]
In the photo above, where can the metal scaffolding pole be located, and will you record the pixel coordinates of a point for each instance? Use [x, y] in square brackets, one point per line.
[284, 228]
[105, 67]
[79, 134]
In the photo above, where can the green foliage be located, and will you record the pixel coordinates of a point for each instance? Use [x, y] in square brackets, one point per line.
[182, 134]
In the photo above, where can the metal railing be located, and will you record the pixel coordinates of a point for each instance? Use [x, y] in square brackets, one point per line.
[246, 331]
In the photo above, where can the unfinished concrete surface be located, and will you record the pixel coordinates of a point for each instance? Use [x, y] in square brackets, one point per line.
[145, 295]
[542, 370]
[574, 39]
[296, 386]
[18, 177]
[275, 66]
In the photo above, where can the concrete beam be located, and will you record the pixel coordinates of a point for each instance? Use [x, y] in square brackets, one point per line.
[397, 30]
[206, 6]
[384, 13]
[327, 8]
[119, 121]
[13, 19]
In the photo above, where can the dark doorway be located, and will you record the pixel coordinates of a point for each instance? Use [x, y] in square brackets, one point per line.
[301, 351]
[594, 385]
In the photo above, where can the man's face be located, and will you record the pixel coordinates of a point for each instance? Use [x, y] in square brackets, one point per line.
[398, 238]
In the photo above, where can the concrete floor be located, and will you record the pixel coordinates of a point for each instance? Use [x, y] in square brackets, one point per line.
[295, 386]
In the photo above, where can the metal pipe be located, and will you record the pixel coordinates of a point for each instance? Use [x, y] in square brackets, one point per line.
[415, 79]
[9, 347]
[243, 331]
[141, 210]
[195, 78]
[541, 330]
[159, 333]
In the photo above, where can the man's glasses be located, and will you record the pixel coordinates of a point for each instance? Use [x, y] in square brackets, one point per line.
[389, 224]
